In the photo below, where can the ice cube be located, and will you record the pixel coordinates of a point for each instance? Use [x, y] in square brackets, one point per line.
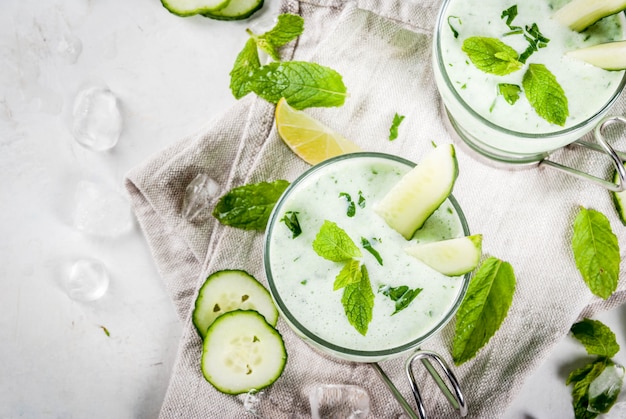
[200, 195]
[87, 280]
[605, 389]
[339, 401]
[100, 210]
[97, 119]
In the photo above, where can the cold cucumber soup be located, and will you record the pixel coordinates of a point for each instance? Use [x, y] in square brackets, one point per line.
[493, 108]
[301, 281]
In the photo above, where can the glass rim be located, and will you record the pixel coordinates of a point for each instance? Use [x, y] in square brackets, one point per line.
[519, 134]
[292, 320]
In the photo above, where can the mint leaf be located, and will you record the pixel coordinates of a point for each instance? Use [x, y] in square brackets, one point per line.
[351, 210]
[393, 130]
[483, 309]
[510, 14]
[358, 302]
[545, 94]
[491, 55]
[332, 243]
[510, 92]
[361, 201]
[291, 221]
[597, 337]
[349, 274]
[581, 379]
[402, 295]
[455, 33]
[368, 246]
[596, 252]
[302, 84]
[249, 206]
[535, 40]
[287, 28]
[246, 63]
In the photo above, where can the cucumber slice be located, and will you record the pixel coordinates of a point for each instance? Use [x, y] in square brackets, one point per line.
[420, 192]
[242, 352]
[619, 199]
[229, 290]
[236, 10]
[193, 7]
[609, 56]
[580, 14]
[451, 257]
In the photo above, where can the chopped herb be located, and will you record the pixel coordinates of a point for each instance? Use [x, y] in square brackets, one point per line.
[402, 295]
[351, 211]
[291, 221]
[454, 31]
[510, 14]
[368, 246]
[395, 124]
[105, 330]
[361, 200]
[510, 92]
[535, 40]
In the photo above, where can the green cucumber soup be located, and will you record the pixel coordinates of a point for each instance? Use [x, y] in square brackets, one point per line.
[480, 111]
[301, 281]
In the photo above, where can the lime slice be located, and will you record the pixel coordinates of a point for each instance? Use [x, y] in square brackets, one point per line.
[580, 14]
[451, 257]
[609, 56]
[420, 192]
[308, 138]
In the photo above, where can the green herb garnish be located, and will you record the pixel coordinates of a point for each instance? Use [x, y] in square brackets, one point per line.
[596, 252]
[349, 274]
[361, 200]
[491, 55]
[510, 14]
[249, 206]
[454, 31]
[483, 309]
[402, 295]
[510, 92]
[333, 243]
[535, 40]
[351, 210]
[395, 124]
[291, 221]
[368, 246]
[246, 63]
[288, 27]
[597, 337]
[358, 302]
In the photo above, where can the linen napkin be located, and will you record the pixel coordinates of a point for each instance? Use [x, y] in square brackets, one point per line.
[383, 50]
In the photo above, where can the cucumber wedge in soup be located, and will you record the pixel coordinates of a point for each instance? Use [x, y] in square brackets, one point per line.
[242, 352]
[193, 7]
[420, 192]
[609, 55]
[229, 290]
[578, 15]
[450, 257]
[236, 10]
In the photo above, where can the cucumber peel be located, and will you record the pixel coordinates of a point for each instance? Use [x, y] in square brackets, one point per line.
[419, 193]
[609, 55]
[193, 7]
[619, 199]
[229, 290]
[451, 257]
[236, 10]
[242, 352]
[578, 15]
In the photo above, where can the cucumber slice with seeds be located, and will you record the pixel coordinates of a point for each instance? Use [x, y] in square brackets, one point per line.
[420, 192]
[236, 10]
[193, 7]
[451, 257]
[242, 352]
[578, 15]
[229, 290]
[609, 55]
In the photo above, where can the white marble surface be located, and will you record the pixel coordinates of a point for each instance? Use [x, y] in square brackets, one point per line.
[171, 77]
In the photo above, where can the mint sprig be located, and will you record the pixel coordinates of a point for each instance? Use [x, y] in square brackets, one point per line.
[246, 63]
[596, 252]
[358, 302]
[597, 337]
[491, 55]
[288, 27]
[545, 94]
[333, 243]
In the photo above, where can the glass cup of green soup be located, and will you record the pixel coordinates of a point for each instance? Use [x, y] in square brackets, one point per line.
[510, 89]
[398, 302]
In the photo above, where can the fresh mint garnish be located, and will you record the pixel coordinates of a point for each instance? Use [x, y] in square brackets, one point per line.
[597, 385]
[333, 243]
[395, 124]
[535, 40]
[455, 33]
[597, 337]
[291, 221]
[351, 210]
[302, 84]
[596, 252]
[349, 274]
[491, 55]
[545, 94]
[483, 309]
[402, 295]
[249, 206]
[510, 92]
[510, 14]
[358, 302]
[361, 200]
[288, 27]
[368, 246]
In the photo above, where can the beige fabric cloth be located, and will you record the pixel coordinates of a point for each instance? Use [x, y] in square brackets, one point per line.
[383, 50]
